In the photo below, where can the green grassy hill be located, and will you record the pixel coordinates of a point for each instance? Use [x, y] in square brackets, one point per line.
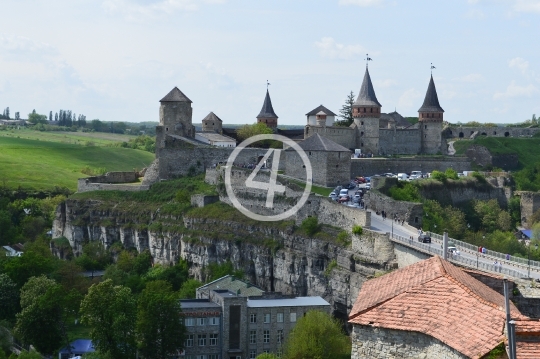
[528, 149]
[41, 163]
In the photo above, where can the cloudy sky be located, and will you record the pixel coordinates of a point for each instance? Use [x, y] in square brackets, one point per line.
[115, 59]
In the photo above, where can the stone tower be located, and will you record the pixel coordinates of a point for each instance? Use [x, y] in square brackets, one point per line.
[430, 118]
[174, 117]
[267, 114]
[366, 114]
[212, 123]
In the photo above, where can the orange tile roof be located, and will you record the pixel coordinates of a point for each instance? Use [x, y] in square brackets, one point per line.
[438, 299]
[528, 339]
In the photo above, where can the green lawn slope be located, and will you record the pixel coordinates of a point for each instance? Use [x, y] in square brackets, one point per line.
[528, 149]
[35, 164]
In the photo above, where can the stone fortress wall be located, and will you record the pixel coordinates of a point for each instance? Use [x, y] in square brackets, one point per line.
[467, 132]
[396, 141]
[120, 181]
[372, 166]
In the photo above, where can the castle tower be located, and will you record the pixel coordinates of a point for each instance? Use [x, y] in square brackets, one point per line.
[267, 114]
[174, 117]
[430, 118]
[212, 123]
[366, 113]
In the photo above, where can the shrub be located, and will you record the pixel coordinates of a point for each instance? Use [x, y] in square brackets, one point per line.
[311, 225]
[357, 230]
[450, 173]
[439, 176]
[344, 238]
[405, 191]
[479, 177]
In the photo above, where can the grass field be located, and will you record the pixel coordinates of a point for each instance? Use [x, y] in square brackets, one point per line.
[528, 149]
[44, 161]
[75, 138]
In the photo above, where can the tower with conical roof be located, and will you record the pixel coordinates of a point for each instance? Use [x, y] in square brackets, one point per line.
[175, 117]
[212, 123]
[267, 114]
[430, 118]
[366, 114]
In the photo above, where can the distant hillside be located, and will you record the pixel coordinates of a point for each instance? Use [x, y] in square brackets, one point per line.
[42, 164]
[528, 149]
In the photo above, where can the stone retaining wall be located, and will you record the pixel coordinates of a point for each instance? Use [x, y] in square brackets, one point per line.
[372, 166]
[370, 342]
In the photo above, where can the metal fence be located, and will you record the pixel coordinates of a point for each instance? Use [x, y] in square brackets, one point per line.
[512, 260]
[499, 268]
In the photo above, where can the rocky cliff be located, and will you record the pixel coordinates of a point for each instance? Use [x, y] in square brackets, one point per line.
[276, 256]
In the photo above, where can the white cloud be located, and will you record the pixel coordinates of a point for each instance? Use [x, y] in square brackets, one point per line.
[385, 83]
[410, 98]
[330, 49]
[513, 91]
[519, 63]
[526, 5]
[137, 10]
[475, 14]
[470, 78]
[363, 3]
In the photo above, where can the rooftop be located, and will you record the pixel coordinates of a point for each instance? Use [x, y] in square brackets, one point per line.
[431, 101]
[316, 110]
[527, 338]
[438, 299]
[232, 284]
[287, 302]
[318, 143]
[213, 136]
[175, 95]
[198, 303]
[367, 96]
[212, 117]
[267, 110]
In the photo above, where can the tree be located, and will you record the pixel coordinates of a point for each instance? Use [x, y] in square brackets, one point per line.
[46, 308]
[160, 330]
[248, 131]
[94, 257]
[346, 111]
[267, 356]
[7, 112]
[32, 263]
[111, 312]
[56, 117]
[36, 118]
[317, 336]
[50, 116]
[17, 116]
[9, 297]
[189, 288]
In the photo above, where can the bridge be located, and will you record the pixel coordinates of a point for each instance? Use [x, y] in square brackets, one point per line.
[469, 257]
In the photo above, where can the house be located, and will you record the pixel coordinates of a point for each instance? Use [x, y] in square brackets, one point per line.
[527, 338]
[234, 319]
[78, 347]
[430, 309]
[14, 250]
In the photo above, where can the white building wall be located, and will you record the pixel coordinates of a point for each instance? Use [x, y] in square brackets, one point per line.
[312, 120]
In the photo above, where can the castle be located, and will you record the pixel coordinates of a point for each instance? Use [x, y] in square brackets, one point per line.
[374, 133]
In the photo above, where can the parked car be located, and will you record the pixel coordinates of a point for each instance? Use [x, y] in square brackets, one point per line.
[424, 238]
[344, 192]
[360, 180]
[367, 186]
[402, 177]
[368, 179]
[351, 186]
[332, 195]
[343, 199]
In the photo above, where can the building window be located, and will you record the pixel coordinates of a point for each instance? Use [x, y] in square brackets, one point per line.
[190, 322]
[267, 317]
[361, 133]
[425, 127]
[189, 340]
[201, 321]
[253, 318]
[293, 317]
[202, 356]
[280, 317]
[214, 320]
[252, 354]
[252, 337]
[362, 123]
[213, 356]
[166, 129]
[213, 339]
[266, 336]
[362, 144]
[202, 339]
[310, 153]
[280, 336]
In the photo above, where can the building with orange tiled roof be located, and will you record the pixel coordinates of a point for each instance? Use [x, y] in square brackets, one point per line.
[528, 338]
[430, 309]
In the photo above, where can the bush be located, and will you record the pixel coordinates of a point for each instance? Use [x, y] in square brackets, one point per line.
[344, 238]
[439, 176]
[479, 177]
[450, 173]
[405, 191]
[311, 225]
[357, 230]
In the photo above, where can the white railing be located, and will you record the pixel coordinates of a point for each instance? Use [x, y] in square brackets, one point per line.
[428, 248]
[509, 260]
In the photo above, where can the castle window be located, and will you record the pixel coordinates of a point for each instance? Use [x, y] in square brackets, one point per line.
[310, 153]
[506, 134]
[362, 133]
[425, 127]
[425, 136]
[336, 166]
[362, 144]
[371, 109]
[362, 123]
[494, 132]
[166, 129]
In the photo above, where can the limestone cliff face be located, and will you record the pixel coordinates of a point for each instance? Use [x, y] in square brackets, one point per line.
[272, 257]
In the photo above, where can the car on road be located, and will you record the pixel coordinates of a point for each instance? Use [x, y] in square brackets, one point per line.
[453, 250]
[343, 199]
[351, 186]
[344, 192]
[367, 186]
[424, 238]
[333, 196]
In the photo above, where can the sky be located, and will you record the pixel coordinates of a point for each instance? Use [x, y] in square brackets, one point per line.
[114, 60]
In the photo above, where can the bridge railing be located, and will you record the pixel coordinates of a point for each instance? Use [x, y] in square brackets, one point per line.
[428, 248]
[522, 262]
